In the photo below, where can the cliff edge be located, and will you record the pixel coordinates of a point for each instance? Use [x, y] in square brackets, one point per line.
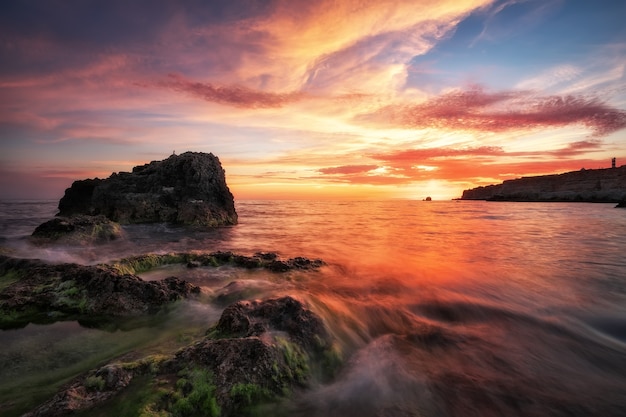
[587, 185]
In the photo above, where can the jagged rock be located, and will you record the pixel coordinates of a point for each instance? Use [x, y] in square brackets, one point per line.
[254, 365]
[78, 230]
[187, 189]
[252, 318]
[270, 344]
[591, 185]
[35, 291]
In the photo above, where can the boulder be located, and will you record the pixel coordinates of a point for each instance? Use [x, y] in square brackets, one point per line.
[269, 346]
[185, 189]
[77, 230]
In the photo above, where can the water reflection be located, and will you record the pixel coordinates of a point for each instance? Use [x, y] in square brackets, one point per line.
[440, 308]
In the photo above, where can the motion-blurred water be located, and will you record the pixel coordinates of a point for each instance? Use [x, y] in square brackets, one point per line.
[453, 308]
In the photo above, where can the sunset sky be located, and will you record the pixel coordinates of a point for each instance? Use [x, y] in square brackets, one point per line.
[312, 99]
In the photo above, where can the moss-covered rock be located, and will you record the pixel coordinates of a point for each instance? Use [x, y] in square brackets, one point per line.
[233, 372]
[266, 260]
[77, 230]
[35, 291]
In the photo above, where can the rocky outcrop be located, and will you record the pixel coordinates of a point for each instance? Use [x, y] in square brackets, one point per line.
[258, 353]
[271, 344]
[592, 185]
[186, 189]
[77, 230]
[35, 291]
[267, 260]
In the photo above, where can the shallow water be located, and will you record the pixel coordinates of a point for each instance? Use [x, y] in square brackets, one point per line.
[454, 308]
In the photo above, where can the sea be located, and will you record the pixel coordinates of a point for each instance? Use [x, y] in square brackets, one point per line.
[439, 308]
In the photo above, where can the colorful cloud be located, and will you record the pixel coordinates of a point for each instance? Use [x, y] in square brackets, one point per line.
[477, 110]
[298, 98]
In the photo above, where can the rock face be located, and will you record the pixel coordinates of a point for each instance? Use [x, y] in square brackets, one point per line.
[35, 291]
[593, 185]
[187, 189]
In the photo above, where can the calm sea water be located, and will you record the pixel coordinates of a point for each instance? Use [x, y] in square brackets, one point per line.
[453, 308]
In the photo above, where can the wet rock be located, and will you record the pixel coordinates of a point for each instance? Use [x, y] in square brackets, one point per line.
[86, 392]
[270, 344]
[187, 189]
[270, 261]
[35, 291]
[77, 230]
[264, 359]
[286, 314]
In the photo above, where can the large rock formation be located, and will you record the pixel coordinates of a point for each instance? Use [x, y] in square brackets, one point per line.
[592, 185]
[187, 189]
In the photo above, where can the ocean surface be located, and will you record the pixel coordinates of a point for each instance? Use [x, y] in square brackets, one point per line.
[451, 308]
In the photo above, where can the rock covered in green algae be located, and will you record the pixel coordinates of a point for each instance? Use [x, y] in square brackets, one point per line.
[231, 372]
[77, 230]
[268, 347]
[36, 291]
[266, 260]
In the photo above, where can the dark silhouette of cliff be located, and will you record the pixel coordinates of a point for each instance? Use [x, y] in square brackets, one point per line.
[587, 185]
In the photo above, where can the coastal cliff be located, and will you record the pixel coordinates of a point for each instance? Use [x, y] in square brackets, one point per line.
[591, 185]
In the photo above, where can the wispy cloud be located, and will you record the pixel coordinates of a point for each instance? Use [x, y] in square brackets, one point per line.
[237, 96]
[477, 110]
[347, 169]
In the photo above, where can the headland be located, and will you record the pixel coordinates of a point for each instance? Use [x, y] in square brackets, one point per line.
[587, 185]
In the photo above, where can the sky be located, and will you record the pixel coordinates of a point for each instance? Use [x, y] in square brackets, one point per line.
[304, 99]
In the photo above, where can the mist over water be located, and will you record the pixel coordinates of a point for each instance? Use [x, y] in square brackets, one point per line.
[439, 308]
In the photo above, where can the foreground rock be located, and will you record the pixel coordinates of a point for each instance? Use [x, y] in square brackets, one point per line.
[592, 185]
[267, 260]
[35, 291]
[258, 353]
[39, 292]
[186, 189]
[77, 230]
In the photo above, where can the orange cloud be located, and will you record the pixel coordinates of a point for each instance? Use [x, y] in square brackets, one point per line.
[347, 169]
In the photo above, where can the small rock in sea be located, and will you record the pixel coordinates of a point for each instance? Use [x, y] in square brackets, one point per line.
[77, 230]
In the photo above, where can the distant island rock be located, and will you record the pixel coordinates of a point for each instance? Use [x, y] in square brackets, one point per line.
[587, 185]
[185, 189]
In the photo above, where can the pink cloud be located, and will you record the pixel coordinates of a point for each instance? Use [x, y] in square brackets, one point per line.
[426, 155]
[233, 95]
[477, 110]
